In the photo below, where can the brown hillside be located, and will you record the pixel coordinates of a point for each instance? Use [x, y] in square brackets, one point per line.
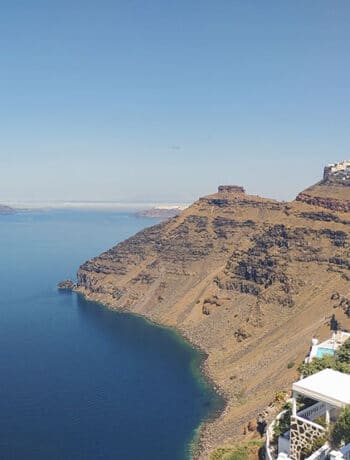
[247, 279]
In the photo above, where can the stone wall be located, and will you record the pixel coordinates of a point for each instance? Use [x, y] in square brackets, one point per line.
[302, 434]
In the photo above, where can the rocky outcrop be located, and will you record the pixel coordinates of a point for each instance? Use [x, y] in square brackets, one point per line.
[223, 189]
[333, 191]
[6, 209]
[66, 285]
[324, 202]
[247, 279]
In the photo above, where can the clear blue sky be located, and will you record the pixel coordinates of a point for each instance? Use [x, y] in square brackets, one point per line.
[164, 100]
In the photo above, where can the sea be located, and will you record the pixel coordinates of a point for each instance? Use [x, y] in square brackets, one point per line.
[79, 381]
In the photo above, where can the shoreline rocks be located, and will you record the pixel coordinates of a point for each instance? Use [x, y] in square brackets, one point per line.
[66, 285]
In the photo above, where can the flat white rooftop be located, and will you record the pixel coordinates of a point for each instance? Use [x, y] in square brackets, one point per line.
[329, 386]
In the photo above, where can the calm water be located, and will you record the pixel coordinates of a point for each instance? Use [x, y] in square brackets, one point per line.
[78, 381]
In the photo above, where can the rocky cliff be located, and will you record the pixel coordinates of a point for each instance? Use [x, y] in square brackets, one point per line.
[247, 279]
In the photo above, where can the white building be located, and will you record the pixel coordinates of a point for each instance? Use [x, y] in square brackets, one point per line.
[335, 169]
[330, 390]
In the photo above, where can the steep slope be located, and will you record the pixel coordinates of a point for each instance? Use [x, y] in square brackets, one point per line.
[247, 279]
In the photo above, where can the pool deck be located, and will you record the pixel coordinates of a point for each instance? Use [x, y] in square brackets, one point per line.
[329, 346]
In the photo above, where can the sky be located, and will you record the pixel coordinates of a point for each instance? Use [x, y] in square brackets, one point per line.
[135, 100]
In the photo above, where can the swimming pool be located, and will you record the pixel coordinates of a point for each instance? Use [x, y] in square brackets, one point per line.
[321, 351]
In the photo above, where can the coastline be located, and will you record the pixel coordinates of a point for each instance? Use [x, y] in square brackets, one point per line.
[198, 445]
[232, 275]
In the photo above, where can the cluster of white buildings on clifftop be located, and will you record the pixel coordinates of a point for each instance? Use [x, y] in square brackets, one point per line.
[341, 170]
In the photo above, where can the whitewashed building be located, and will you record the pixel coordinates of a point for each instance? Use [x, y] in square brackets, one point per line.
[330, 390]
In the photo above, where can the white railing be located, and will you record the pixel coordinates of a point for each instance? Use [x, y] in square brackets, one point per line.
[270, 434]
[312, 412]
[268, 437]
[309, 414]
[310, 422]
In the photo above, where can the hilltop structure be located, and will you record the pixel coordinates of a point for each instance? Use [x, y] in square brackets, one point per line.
[337, 172]
[230, 189]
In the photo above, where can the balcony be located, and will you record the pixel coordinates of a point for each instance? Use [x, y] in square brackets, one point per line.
[330, 390]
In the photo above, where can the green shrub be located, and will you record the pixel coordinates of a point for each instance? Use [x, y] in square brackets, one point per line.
[321, 421]
[339, 362]
[313, 447]
[290, 365]
[340, 433]
[343, 353]
[283, 424]
[343, 367]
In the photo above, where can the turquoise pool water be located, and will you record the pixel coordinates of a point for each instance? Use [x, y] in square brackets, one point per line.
[324, 351]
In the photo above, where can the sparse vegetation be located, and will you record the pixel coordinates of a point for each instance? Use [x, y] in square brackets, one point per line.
[313, 447]
[290, 365]
[279, 396]
[241, 396]
[241, 452]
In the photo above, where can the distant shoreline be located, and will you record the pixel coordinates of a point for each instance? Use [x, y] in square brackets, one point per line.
[6, 210]
[90, 205]
[161, 212]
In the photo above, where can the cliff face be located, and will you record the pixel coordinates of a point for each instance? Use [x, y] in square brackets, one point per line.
[333, 191]
[249, 280]
[335, 197]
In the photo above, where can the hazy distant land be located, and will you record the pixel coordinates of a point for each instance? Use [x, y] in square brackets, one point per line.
[6, 209]
[92, 205]
[162, 211]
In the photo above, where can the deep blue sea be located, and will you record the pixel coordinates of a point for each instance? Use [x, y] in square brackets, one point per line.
[78, 381]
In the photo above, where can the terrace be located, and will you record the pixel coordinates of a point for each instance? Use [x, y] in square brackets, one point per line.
[325, 393]
[331, 390]
[328, 347]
